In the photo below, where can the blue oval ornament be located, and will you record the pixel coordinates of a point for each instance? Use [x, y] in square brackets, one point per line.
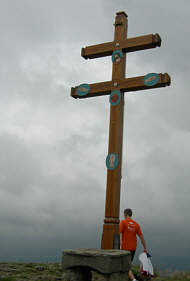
[117, 56]
[115, 97]
[83, 90]
[112, 161]
[151, 79]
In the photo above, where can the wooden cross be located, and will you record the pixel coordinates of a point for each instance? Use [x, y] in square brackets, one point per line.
[116, 88]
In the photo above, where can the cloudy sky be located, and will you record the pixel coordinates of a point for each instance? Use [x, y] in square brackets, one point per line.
[53, 147]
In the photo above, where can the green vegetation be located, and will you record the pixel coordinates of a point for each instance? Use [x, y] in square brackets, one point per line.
[8, 279]
[30, 271]
[53, 272]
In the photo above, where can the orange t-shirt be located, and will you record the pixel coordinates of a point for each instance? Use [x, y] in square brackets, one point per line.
[129, 228]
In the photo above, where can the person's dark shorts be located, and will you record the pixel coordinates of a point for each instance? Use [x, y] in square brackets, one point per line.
[132, 255]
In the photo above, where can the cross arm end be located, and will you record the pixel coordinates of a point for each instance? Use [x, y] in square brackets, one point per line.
[166, 79]
[157, 39]
[73, 93]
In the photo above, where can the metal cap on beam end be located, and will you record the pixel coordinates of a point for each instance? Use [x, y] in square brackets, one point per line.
[157, 39]
[73, 93]
[167, 79]
[121, 13]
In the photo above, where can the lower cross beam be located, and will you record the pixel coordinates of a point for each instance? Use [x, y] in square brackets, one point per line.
[149, 81]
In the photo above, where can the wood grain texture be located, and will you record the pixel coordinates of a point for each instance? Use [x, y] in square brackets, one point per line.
[126, 45]
[124, 85]
[113, 186]
[108, 233]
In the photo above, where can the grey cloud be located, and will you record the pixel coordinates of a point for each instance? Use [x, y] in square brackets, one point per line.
[53, 148]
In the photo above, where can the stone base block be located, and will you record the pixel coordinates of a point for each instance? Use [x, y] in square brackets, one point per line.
[121, 276]
[77, 275]
[95, 265]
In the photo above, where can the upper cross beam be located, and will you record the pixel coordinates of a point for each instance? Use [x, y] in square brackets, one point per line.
[124, 85]
[127, 45]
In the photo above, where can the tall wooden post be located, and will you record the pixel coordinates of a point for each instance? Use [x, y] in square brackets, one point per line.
[110, 236]
[116, 88]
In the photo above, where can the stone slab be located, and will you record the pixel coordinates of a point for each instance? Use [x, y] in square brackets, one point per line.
[122, 276]
[103, 261]
[72, 275]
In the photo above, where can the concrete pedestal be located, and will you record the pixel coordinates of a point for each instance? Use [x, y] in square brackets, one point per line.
[94, 264]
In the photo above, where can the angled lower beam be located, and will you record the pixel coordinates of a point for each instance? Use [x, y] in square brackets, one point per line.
[96, 89]
[137, 83]
[128, 45]
[124, 85]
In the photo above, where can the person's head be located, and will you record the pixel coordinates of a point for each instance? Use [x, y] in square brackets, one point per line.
[128, 213]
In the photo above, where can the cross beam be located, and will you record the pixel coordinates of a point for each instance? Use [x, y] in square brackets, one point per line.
[127, 45]
[116, 88]
[124, 85]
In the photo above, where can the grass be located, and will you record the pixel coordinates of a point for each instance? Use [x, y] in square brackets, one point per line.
[53, 271]
[30, 271]
[8, 279]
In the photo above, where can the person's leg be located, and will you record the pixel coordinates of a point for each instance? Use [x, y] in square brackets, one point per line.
[131, 275]
[132, 255]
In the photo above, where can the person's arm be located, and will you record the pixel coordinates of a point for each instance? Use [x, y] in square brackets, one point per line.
[143, 242]
[120, 240]
[120, 232]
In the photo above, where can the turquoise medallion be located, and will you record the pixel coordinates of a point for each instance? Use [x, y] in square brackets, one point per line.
[83, 90]
[115, 97]
[112, 161]
[117, 56]
[151, 79]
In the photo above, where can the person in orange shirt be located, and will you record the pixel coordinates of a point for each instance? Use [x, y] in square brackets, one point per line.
[128, 229]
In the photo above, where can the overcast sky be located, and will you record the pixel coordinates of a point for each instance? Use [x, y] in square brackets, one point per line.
[53, 147]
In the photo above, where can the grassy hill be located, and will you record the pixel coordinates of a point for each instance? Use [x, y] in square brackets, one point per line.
[12, 271]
